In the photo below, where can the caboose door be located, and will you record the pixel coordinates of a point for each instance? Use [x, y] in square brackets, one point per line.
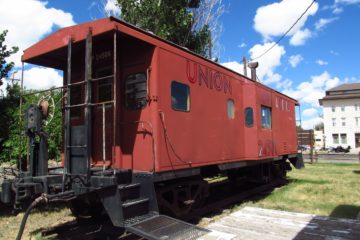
[102, 115]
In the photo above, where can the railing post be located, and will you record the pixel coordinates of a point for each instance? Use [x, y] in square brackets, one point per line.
[88, 94]
[67, 115]
[114, 98]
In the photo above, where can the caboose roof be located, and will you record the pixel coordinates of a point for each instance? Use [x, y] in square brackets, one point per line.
[52, 50]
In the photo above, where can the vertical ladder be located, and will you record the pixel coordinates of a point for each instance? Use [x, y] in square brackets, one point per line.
[85, 146]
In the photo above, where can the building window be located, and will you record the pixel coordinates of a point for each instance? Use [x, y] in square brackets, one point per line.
[357, 121]
[136, 91]
[230, 109]
[343, 138]
[343, 121]
[249, 117]
[180, 96]
[277, 102]
[265, 117]
[333, 108]
[333, 122]
[335, 138]
[343, 108]
[356, 107]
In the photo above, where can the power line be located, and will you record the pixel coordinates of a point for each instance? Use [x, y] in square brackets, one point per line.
[281, 38]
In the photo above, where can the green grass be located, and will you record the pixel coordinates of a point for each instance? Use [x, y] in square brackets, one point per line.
[322, 189]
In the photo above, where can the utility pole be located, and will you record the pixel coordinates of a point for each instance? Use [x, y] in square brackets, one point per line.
[245, 64]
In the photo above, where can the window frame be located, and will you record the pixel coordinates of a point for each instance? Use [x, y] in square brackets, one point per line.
[233, 108]
[261, 122]
[189, 96]
[125, 95]
[246, 115]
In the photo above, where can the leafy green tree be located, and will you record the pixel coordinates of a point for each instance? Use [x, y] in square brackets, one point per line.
[171, 20]
[5, 53]
[15, 141]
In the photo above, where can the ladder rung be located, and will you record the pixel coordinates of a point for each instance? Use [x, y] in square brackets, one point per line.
[90, 104]
[80, 146]
[101, 78]
[76, 105]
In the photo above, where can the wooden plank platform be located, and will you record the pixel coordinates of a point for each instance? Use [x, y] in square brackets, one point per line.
[255, 223]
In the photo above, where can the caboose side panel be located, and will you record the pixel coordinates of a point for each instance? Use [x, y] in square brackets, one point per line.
[284, 118]
[251, 119]
[265, 124]
[199, 112]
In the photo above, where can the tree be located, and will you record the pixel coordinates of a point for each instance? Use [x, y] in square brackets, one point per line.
[12, 133]
[185, 22]
[5, 53]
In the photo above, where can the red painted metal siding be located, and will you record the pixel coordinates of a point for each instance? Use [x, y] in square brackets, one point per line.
[202, 136]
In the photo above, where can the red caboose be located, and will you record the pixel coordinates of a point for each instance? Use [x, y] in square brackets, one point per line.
[141, 112]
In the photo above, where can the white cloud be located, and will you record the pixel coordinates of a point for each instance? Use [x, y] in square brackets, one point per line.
[237, 67]
[111, 8]
[311, 91]
[332, 52]
[42, 78]
[284, 84]
[321, 62]
[242, 45]
[337, 10]
[347, 1]
[311, 123]
[28, 21]
[275, 19]
[300, 37]
[294, 60]
[322, 22]
[269, 62]
[310, 112]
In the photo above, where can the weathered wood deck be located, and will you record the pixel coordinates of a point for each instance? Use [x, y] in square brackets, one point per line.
[256, 223]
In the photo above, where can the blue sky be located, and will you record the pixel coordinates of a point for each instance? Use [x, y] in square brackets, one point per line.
[319, 53]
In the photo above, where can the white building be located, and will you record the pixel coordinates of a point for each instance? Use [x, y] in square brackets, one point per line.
[342, 116]
[318, 140]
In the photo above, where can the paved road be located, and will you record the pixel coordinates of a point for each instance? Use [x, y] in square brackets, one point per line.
[335, 158]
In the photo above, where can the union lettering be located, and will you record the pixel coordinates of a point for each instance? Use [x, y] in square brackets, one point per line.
[204, 76]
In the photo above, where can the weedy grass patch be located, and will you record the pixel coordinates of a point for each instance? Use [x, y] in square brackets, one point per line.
[322, 189]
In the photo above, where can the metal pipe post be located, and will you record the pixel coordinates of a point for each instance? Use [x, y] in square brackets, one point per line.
[88, 93]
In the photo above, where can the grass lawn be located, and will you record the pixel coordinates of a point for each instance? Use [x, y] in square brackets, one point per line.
[322, 189]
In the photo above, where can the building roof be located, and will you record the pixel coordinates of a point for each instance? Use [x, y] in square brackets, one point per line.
[345, 87]
[344, 91]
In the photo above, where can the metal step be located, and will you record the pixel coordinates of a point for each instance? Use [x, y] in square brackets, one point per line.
[134, 202]
[162, 227]
[129, 191]
[135, 207]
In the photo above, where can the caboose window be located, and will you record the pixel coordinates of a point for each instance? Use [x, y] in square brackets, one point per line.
[265, 117]
[104, 85]
[180, 96]
[249, 117]
[230, 109]
[75, 99]
[136, 91]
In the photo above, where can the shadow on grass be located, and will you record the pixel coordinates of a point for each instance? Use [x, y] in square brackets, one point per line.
[6, 210]
[91, 228]
[345, 211]
[356, 171]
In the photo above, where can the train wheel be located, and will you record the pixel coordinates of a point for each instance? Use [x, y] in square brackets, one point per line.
[179, 199]
[87, 207]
